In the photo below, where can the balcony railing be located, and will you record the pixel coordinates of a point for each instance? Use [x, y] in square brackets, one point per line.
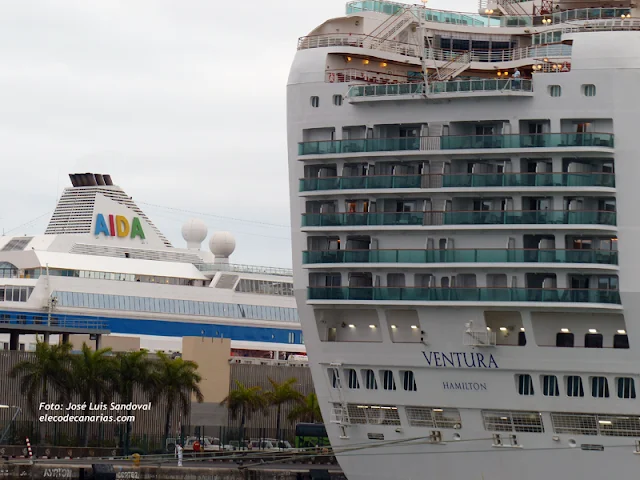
[386, 90]
[551, 50]
[461, 180]
[490, 85]
[464, 294]
[458, 142]
[484, 255]
[487, 217]
[230, 267]
[527, 141]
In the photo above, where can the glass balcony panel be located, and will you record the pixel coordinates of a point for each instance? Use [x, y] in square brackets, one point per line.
[353, 183]
[462, 294]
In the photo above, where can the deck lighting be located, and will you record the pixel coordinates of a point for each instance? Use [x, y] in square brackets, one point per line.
[622, 332]
[503, 329]
[522, 329]
[604, 422]
[414, 327]
[623, 16]
[488, 329]
[488, 11]
[352, 326]
[546, 21]
[437, 410]
[593, 330]
[366, 61]
[348, 59]
[499, 74]
[372, 326]
[383, 64]
[564, 330]
[393, 327]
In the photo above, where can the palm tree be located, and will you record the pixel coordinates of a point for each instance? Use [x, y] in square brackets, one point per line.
[46, 370]
[176, 381]
[280, 394]
[246, 401]
[94, 374]
[307, 411]
[133, 370]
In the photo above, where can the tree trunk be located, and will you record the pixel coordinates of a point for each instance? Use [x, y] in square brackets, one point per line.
[41, 425]
[242, 427]
[85, 438]
[167, 423]
[278, 424]
[127, 397]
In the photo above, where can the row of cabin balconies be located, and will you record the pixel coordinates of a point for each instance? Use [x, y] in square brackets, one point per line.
[460, 180]
[519, 210]
[463, 287]
[461, 255]
[459, 142]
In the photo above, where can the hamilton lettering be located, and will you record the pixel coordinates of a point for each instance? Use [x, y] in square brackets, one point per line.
[460, 360]
[469, 386]
[118, 226]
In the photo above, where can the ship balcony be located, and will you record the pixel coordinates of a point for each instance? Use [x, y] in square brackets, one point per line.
[528, 142]
[494, 295]
[457, 88]
[462, 256]
[575, 218]
[460, 181]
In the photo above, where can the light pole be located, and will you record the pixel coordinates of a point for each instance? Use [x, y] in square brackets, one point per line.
[18, 410]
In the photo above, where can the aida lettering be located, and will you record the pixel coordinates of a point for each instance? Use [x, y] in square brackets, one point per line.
[460, 360]
[118, 226]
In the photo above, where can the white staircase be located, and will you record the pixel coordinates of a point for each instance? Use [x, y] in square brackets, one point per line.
[512, 8]
[339, 409]
[452, 68]
[390, 28]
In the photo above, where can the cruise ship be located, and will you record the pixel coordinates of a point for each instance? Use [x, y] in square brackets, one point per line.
[461, 204]
[103, 272]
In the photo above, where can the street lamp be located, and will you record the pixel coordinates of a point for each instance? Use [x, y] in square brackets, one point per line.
[18, 410]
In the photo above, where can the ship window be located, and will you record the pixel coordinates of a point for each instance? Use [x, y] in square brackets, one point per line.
[620, 341]
[370, 382]
[388, 382]
[337, 100]
[593, 340]
[550, 386]
[599, 387]
[564, 340]
[353, 378]
[555, 90]
[525, 384]
[409, 381]
[315, 101]
[626, 387]
[589, 90]
[574, 386]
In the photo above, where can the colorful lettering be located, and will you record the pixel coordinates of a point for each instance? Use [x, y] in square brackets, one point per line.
[136, 229]
[101, 226]
[122, 226]
[118, 226]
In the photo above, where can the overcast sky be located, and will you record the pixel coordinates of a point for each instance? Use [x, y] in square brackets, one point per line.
[182, 102]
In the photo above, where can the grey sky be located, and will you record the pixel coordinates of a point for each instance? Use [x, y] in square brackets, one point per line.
[183, 103]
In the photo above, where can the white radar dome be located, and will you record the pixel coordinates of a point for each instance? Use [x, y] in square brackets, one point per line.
[222, 244]
[194, 231]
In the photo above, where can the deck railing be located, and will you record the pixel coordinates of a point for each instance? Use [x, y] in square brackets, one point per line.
[438, 218]
[458, 142]
[464, 294]
[460, 180]
[462, 255]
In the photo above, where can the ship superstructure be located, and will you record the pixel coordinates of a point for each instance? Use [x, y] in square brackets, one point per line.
[102, 268]
[462, 202]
